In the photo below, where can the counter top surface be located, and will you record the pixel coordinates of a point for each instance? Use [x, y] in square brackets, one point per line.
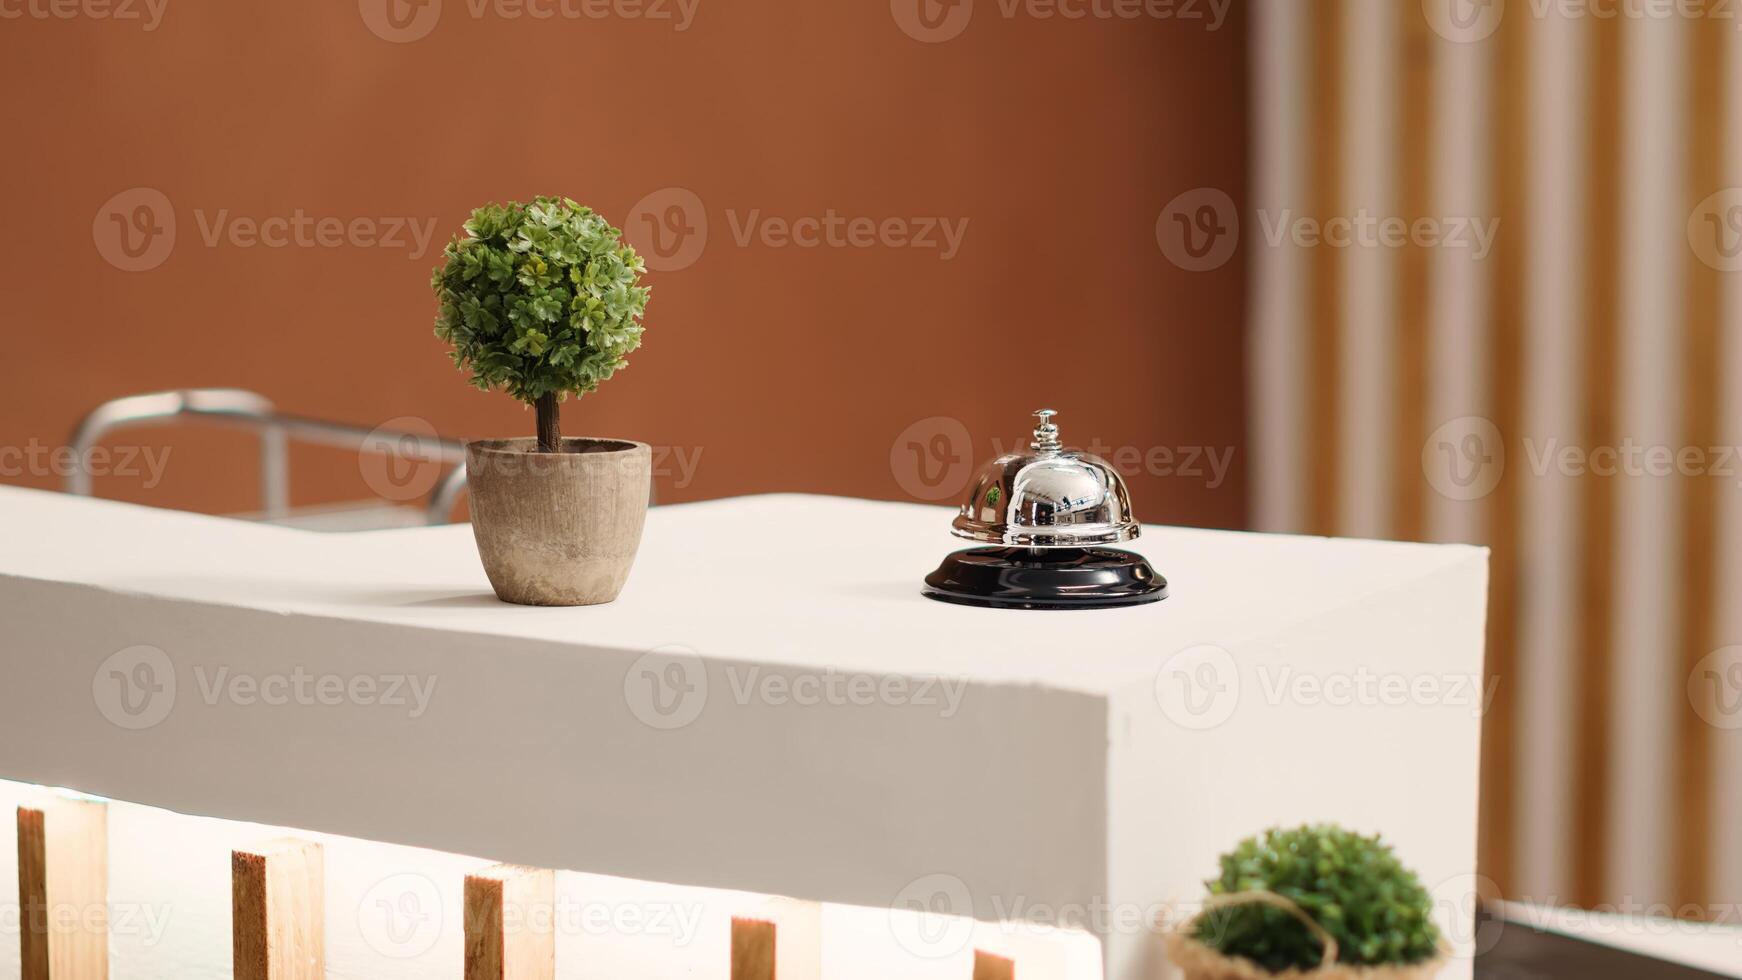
[763, 578]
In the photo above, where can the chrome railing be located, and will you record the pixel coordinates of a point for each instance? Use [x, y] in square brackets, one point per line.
[245, 409]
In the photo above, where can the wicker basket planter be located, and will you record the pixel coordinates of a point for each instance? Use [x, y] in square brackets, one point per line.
[1197, 961]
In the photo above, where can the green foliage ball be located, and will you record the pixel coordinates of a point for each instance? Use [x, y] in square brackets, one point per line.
[1353, 886]
[541, 298]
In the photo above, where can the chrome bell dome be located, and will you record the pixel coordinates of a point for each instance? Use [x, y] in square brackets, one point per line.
[1049, 497]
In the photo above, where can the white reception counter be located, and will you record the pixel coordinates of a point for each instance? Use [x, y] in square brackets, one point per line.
[766, 708]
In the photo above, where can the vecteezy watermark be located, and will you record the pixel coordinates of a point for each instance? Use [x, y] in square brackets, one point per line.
[411, 692]
[1461, 903]
[1465, 458]
[833, 688]
[1715, 688]
[403, 21]
[1715, 230]
[1365, 687]
[1469, 21]
[831, 230]
[1632, 458]
[1625, 917]
[1199, 230]
[932, 916]
[677, 922]
[1099, 917]
[401, 916]
[1636, 9]
[35, 459]
[135, 231]
[147, 14]
[1468, 910]
[1363, 229]
[301, 230]
[667, 688]
[400, 21]
[1464, 21]
[933, 459]
[137, 687]
[141, 923]
[1210, 464]
[1200, 687]
[401, 459]
[935, 21]
[669, 229]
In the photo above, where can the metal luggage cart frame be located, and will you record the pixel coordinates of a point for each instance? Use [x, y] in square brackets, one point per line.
[235, 407]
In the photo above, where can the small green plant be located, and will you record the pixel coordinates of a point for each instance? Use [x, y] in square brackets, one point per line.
[542, 301]
[1353, 886]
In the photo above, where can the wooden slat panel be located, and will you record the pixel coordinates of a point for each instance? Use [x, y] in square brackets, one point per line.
[1511, 168]
[782, 938]
[753, 949]
[1324, 417]
[1594, 641]
[63, 885]
[990, 967]
[278, 906]
[1691, 848]
[1597, 508]
[1416, 166]
[510, 929]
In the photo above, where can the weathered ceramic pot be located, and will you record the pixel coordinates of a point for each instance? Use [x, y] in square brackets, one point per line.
[558, 529]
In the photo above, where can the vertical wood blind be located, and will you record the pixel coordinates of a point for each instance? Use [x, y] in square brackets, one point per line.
[1524, 395]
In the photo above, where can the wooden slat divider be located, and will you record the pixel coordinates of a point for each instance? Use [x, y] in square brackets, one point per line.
[1325, 323]
[1417, 183]
[510, 924]
[1693, 843]
[1593, 633]
[782, 939]
[1511, 153]
[990, 967]
[278, 904]
[753, 949]
[63, 885]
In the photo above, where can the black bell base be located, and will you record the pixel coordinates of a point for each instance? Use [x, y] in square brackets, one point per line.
[1048, 578]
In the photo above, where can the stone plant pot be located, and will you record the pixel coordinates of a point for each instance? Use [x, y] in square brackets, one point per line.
[558, 529]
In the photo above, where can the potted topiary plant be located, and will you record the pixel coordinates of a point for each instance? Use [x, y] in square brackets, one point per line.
[1315, 902]
[544, 301]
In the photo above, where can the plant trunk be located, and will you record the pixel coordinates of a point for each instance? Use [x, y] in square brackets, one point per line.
[550, 424]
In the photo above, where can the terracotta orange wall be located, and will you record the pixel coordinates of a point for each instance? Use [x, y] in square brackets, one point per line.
[771, 368]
